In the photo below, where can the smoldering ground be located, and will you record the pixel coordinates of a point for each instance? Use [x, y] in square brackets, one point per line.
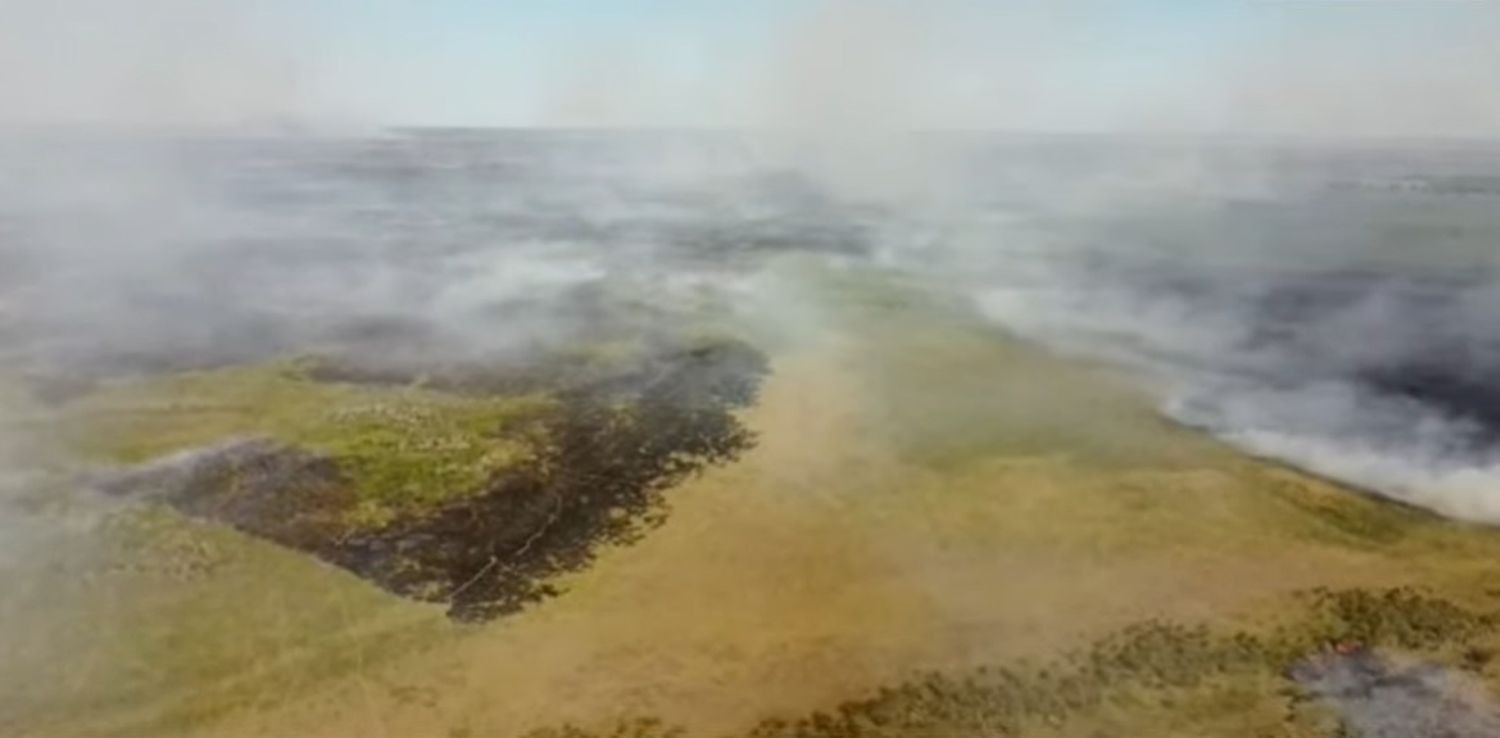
[1380, 698]
[1332, 310]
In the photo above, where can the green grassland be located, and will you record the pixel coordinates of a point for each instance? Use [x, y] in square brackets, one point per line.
[404, 448]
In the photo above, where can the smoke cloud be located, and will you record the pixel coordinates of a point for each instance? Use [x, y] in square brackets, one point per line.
[1324, 303]
[148, 63]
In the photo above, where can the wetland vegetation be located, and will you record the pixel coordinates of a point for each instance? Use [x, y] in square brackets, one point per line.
[713, 463]
[911, 505]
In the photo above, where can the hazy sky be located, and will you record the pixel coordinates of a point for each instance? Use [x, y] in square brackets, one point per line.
[1402, 67]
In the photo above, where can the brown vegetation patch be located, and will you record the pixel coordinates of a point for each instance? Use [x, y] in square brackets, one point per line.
[1326, 654]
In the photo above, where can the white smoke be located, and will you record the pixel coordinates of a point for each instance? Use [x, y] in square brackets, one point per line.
[1163, 253]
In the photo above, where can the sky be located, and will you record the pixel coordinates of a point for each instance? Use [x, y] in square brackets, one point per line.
[1300, 67]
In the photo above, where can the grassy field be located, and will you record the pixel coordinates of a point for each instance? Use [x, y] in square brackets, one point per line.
[404, 448]
[940, 532]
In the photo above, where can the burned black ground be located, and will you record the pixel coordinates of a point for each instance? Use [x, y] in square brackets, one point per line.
[615, 445]
[614, 439]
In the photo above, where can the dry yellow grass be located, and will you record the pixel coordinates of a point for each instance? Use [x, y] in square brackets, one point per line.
[926, 495]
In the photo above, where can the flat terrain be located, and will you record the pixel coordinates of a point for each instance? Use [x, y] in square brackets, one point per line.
[924, 495]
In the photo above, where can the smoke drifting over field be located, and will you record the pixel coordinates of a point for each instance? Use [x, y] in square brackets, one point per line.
[577, 311]
[1326, 304]
[1337, 316]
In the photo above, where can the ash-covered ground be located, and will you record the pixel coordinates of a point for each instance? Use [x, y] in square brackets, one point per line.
[1379, 698]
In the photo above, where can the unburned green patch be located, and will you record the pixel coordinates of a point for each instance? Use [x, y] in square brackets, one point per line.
[403, 449]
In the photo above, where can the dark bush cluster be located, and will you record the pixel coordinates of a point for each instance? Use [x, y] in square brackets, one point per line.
[1159, 656]
[1000, 701]
[1402, 617]
[636, 728]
